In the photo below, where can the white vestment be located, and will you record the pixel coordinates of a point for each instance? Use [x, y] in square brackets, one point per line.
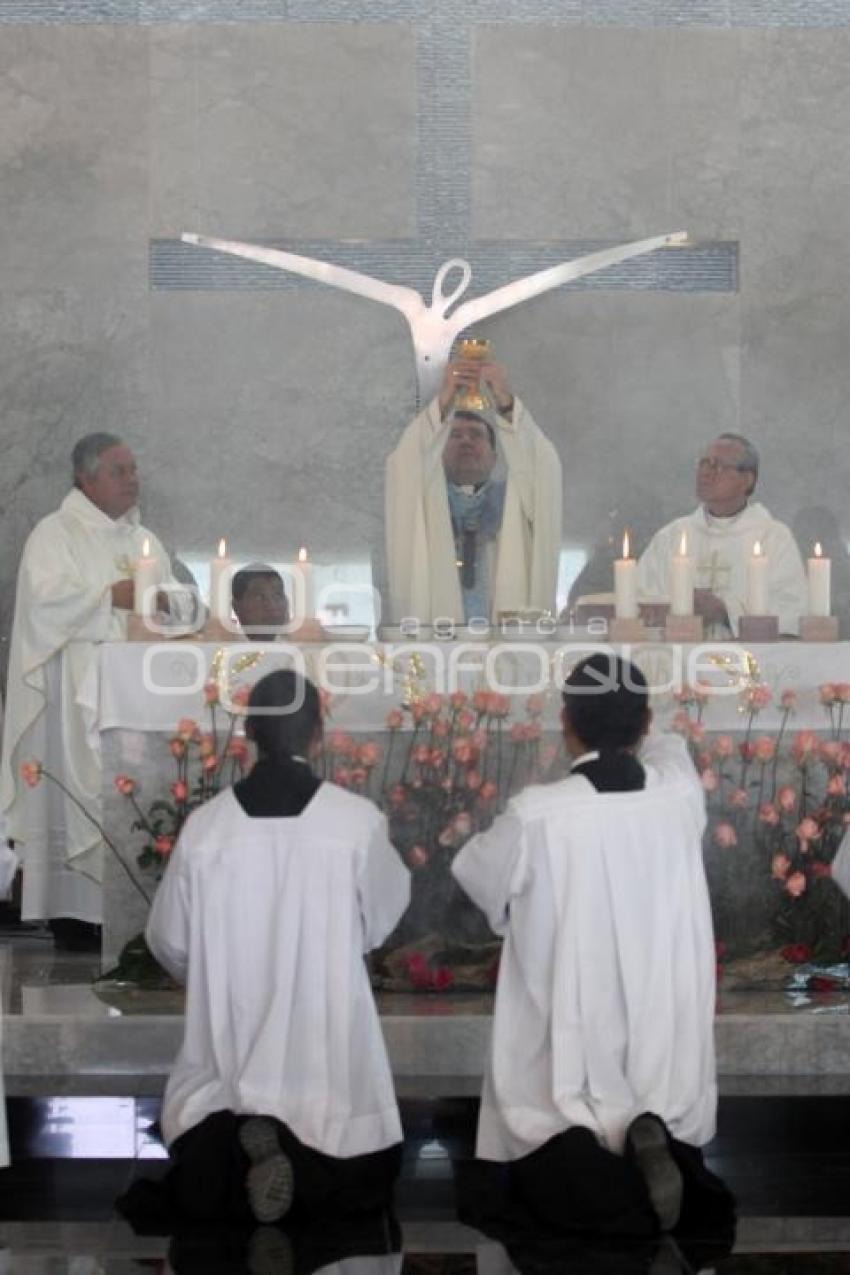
[267, 921]
[605, 1000]
[63, 607]
[722, 548]
[421, 551]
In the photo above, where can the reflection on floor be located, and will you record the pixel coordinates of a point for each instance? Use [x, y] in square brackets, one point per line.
[786, 1158]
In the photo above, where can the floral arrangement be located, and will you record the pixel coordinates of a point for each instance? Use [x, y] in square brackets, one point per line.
[778, 809]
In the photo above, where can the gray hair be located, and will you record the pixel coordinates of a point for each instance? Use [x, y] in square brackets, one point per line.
[749, 462]
[87, 452]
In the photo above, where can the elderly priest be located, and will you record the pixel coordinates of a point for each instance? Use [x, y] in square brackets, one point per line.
[720, 536]
[473, 504]
[75, 588]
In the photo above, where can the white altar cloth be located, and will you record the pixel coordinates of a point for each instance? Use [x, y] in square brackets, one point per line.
[150, 687]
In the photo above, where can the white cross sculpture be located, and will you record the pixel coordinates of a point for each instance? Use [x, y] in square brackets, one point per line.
[432, 328]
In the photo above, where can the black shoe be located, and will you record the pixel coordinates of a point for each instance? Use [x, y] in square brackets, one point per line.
[71, 935]
[647, 1140]
[269, 1184]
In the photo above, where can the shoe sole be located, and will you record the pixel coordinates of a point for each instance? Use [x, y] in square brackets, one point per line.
[659, 1171]
[270, 1182]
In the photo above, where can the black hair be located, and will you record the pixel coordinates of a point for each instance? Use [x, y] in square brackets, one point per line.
[284, 714]
[606, 701]
[246, 575]
[473, 416]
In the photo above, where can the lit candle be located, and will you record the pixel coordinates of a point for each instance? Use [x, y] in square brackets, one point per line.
[306, 569]
[819, 573]
[147, 575]
[757, 569]
[682, 580]
[220, 601]
[625, 585]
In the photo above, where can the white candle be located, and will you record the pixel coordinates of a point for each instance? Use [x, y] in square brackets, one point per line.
[819, 573]
[625, 585]
[305, 568]
[220, 600]
[682, 580]
[757, 569]
[147, 576]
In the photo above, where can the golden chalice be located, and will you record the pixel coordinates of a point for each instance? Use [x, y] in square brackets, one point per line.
[476, 348]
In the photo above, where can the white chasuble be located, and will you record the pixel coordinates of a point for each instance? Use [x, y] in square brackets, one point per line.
[266, 921]
[605, 1000]
[722, 548]
[421, 551]
[63, 607]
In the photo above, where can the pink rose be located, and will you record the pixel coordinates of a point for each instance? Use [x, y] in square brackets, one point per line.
[518, 733]
[464, 751]
[696, 732]
[788, 701]
[830, 751]
[836, 786]
[808, 830]
[432, 704]
[338, 741]
[780, 865]
[844, 757]
[827, 693]
[207, 745]
[418, 857]
[238, 749]
[535, 704]
[787, 798]
[481, 702]
[462, 824]
[163, 846]
[764, 748]
[211, 693]
[125, 785]
[394, 719]
[805, 744]
[725, 836]
[210, 763]
[768, 814]
[473, 780]
[421, 754]
[488, 791]
[437, 759]
[724, 746]
[709, 780]
[369, 754]
[187, 729]
[342, 777]
[359, 776]
[240, 696]
[31, 772]
[458, 700]
[465, 720]
[739, 798]
[177, 747]
[796, 884]
[842, 692]
[179, 790]
[500, 705]
[757, 698]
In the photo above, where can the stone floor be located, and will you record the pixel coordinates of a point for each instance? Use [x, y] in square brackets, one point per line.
[782, 1146]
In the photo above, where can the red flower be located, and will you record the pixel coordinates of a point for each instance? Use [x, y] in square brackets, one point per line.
[725, 836]
[179, 790]
[442, 979]
[369, 754]
[394, 719]
[796, 953]
[163, 846]
[125, 785]
[822, 983]
[178, 747]
[187, 729]
[458, 700]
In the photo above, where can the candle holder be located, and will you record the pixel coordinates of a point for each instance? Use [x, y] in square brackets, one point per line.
[758, 628]
[818, 628]
[684, 628]
[621, 629]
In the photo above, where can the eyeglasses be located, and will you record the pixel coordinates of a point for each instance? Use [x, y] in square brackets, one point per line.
[709, 465]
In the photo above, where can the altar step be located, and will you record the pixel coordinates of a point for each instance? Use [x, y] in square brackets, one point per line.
[65, 1039]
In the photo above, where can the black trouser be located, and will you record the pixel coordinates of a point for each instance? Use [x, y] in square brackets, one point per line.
[206, 1181]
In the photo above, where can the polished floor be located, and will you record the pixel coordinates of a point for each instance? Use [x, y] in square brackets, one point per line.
[786, 1158]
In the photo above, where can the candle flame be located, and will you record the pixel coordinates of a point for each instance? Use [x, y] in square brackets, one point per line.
[758, 552]
[146, 547]
[302, 554]
[683, 545]
[222, 547]
[626, 545]
[818, 550]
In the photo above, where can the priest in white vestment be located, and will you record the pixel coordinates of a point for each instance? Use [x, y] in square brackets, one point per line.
[275, 891]
[720, 536]
[472, 530]
[603, 1026]
[75, 589]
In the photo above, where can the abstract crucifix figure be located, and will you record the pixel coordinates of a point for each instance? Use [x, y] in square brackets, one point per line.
[432, 328]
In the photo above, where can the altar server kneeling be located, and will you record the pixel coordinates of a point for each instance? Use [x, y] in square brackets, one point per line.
[282, 1091]
[600, 1086]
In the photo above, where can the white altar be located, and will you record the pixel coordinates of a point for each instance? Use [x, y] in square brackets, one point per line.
[137, 693]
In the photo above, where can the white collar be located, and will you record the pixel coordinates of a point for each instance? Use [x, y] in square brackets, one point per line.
[585, 757]
[78, 505]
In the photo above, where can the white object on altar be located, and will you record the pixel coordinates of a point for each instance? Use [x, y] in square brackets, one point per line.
[268, 920]
[723, 549]
[421, 551]
[606, 993]
[63, 607]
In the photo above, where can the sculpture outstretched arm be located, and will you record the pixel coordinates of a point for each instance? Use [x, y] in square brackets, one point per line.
[407, 300]
[533, 285]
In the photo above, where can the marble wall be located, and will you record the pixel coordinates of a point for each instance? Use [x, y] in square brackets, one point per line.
[413, 131]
